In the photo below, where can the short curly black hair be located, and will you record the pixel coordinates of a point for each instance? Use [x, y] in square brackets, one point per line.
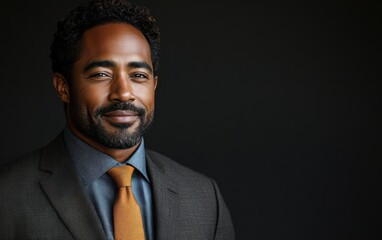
[64, 50]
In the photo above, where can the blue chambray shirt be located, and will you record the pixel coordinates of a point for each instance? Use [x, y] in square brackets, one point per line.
[92, 166]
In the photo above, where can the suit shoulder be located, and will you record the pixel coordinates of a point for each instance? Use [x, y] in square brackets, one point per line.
[198, 196]
[29, 164]
[21, 166]
[174, 168]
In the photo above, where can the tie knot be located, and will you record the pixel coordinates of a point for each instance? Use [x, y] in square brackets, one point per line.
[122, 175]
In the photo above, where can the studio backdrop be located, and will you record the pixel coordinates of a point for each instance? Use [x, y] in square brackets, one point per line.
[278, 101]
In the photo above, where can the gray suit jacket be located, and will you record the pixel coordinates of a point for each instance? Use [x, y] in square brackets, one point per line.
[41, 197]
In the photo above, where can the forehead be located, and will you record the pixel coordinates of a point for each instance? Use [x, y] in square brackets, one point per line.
[120, 39]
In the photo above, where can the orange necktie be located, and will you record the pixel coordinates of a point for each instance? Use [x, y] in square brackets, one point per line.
[127, 215]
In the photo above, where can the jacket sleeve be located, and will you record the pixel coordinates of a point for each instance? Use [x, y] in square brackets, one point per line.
[224, 226]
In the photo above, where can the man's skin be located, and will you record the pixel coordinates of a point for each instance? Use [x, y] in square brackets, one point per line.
[114, 66]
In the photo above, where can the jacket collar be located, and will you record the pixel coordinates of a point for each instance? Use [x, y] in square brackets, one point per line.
[62, 185]
[165, 199]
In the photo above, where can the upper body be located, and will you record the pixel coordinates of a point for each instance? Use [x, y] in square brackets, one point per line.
[105, 59]
[43, 197]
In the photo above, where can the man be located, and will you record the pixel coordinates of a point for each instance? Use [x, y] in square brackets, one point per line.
[105, 57]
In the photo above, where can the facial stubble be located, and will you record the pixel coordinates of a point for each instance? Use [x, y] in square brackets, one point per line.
[115, 135]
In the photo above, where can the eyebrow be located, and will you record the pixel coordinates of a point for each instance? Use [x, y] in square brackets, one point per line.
[111, 64]
[106, 64]
[144, 65]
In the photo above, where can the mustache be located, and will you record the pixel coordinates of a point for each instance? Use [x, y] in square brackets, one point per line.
[121, 106]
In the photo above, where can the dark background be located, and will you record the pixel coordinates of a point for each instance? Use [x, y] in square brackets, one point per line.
[278, 101]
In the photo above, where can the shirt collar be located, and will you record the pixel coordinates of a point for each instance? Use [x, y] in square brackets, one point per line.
[92, 164]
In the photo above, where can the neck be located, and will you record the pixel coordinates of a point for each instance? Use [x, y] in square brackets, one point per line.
[118, 154]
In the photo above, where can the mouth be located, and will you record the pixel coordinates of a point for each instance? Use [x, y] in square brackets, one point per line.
[121, 116]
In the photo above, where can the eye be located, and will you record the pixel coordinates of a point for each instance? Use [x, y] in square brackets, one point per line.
[100, 75]
[139, 76]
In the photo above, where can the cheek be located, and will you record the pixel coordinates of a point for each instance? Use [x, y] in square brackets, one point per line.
[91, 96]
[146, 95]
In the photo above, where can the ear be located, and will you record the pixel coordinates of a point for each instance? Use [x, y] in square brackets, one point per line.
[61, 86]
[155, 82]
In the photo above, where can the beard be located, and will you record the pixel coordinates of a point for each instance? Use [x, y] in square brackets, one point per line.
[122, 136]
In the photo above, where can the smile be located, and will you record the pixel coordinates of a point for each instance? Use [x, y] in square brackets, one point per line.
[121, 116]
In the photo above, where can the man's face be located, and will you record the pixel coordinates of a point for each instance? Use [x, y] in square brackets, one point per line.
[111, 96]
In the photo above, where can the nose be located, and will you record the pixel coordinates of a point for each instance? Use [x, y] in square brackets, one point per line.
[121, 89]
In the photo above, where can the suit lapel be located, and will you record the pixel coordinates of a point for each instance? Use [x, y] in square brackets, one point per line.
[165, 199]
[64, 189]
